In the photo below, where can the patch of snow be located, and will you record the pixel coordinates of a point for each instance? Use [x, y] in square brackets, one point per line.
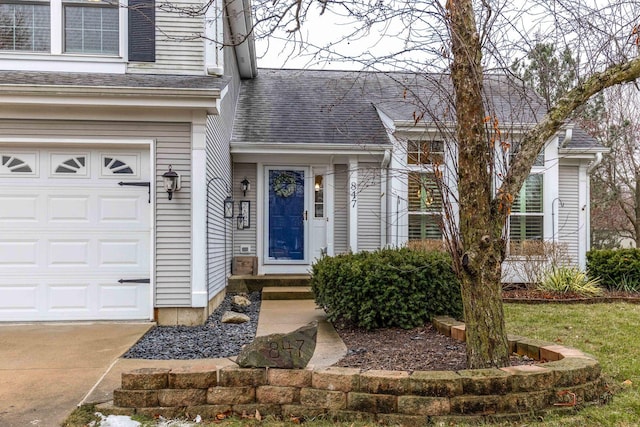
[117, 421]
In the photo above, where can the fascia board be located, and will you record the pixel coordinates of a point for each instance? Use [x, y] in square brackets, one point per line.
[582, 152]
[409, 126]
[308, 148]
[112, 96]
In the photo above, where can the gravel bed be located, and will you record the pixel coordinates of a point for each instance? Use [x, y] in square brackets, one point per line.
[214, 339]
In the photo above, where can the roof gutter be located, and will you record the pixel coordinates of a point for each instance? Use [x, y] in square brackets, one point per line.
[241, 25]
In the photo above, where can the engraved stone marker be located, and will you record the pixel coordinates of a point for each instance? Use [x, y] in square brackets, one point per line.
[292, 350]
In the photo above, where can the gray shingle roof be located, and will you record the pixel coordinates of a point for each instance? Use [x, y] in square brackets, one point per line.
[294, 106]
[581, 140]
[312, 106]
[111, 80]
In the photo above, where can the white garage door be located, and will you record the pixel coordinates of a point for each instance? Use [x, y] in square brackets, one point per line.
[74, 245]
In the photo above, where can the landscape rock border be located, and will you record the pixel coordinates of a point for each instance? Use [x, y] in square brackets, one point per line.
[568, 379]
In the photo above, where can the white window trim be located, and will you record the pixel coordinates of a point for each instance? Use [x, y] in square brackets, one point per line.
[58, 61]
[423, 169]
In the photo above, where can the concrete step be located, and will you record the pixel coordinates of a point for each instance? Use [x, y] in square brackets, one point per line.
[287, 293]
[248, 283]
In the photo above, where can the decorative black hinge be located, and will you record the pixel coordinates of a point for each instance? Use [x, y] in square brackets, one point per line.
[138, 184]
[134, 281]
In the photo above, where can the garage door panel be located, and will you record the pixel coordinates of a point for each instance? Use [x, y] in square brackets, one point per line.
[120, 209]
[67, 298]
[121, 298]
[68, 208]
[69, 232]
[18, 298]
[19, 253]
[69, 253]
[14, 208]
[120, 253]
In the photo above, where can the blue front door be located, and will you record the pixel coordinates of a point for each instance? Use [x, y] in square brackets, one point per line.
[286, 215]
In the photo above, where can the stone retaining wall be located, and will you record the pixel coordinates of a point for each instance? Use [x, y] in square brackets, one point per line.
[569, 378]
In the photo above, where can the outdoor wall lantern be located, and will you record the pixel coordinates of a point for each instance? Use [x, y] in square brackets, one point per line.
[171, 181]
[240, 222]
[246, 185]
[228, 207]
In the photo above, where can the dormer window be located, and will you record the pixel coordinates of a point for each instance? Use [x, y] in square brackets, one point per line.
[25, 26]
[425, 152]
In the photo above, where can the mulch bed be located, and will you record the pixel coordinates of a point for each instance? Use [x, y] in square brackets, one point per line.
[395, 349]
[425, 349]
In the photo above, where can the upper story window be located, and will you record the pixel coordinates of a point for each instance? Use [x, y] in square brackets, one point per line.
[86, 27]
[425, 152]
[91, 28]
[515, 147]
[25, 26]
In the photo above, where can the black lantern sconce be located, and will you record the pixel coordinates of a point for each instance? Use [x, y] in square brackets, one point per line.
[228, 207]
[246, 185]
[171, 182]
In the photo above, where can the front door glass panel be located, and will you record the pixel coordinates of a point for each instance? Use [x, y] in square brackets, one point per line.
[286, 214]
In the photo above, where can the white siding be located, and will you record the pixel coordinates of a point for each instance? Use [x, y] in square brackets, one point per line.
[173, 218]
[568, 210]
[341, 207]
[247, 237]
[369, 215]
[179, 45]
[219, 170]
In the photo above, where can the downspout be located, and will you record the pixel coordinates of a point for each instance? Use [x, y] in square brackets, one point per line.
[594, 164]
[567, 136]
[384, 183]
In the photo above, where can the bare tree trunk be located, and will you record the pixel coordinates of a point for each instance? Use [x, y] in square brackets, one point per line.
[480, 227]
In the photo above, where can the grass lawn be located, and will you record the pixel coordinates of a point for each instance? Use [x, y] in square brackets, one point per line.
[607, 331]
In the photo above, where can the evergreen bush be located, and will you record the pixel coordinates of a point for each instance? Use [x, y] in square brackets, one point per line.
[618, 269]
[387, 288]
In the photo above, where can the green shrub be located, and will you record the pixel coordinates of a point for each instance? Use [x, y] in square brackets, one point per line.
[570, 280]
[387, 288]
[619, 269]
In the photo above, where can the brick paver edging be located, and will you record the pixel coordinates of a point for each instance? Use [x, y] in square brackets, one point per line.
[569, 378]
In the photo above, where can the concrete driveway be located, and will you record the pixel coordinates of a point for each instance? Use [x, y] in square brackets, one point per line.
[47, 369]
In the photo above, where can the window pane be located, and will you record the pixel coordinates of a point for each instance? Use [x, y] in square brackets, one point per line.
[24, 27]
[515, 147]
[91, 29]
[424, 195]
[425, 152]
[529, 200]
[319, 196]
[528, 227]
[425, 226]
